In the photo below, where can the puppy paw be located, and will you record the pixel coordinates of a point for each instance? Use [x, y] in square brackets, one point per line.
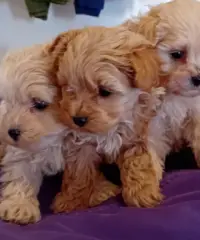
[147, 197]
[63, 203]
[20, 211]
[101, 195]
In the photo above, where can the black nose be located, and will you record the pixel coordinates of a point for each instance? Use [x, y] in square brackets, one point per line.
[80, 121]
[196, 80]
[14, 133]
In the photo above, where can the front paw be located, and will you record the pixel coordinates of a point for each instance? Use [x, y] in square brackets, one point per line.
[147, 197]
[103, 194]
[20, 210]
[63, 203]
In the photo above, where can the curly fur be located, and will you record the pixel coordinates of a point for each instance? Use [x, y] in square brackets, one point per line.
[174, 26]
[111, 58]
[38, 151]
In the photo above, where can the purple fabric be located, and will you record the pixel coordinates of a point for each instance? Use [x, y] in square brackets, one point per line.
[177, 218]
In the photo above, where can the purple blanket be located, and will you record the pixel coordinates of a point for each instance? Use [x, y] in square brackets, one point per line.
[177, 218]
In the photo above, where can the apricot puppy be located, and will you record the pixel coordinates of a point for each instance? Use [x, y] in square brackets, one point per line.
[98, 72]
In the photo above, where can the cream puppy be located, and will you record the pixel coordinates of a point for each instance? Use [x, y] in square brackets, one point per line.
[174, 28]
[33, 136]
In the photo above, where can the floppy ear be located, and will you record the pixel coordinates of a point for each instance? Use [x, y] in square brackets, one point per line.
[56, 49]
[146, 65]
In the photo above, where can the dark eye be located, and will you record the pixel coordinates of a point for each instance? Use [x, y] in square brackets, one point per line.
[177, 54]
[39, 104]
[104, 92]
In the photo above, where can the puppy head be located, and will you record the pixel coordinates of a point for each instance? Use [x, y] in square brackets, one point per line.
[174, 27]
[96, 69]
[25, 99]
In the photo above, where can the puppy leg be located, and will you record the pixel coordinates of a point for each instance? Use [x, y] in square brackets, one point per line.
[20, 184]
[141, 172]
[141, 168]
[79, 178]
[76, 189]
[19, 203]
[103, 190]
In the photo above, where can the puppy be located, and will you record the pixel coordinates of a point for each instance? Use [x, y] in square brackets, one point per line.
[32, 134]
[99, 72]
[174, 28]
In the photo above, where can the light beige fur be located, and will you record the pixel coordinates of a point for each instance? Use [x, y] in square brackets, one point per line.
[174, 27]
[38, 150]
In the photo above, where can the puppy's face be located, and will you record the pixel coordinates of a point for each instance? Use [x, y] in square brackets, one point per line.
[97, 71]
[174, 27]
[26, 96]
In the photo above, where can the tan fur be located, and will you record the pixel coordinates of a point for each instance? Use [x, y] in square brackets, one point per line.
[132, 60]
[79, 180]
[174, 26]
[170, 27]
[24, 76]
[19, 204]
[116, 59]
[140, 171]
[140, 177]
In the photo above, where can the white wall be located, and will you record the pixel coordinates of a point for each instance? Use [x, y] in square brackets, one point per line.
[18, 29]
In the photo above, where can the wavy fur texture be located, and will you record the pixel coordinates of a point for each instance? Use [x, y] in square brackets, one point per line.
[38, 149]
[174, 27]
[44, 143]
[113, 59]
